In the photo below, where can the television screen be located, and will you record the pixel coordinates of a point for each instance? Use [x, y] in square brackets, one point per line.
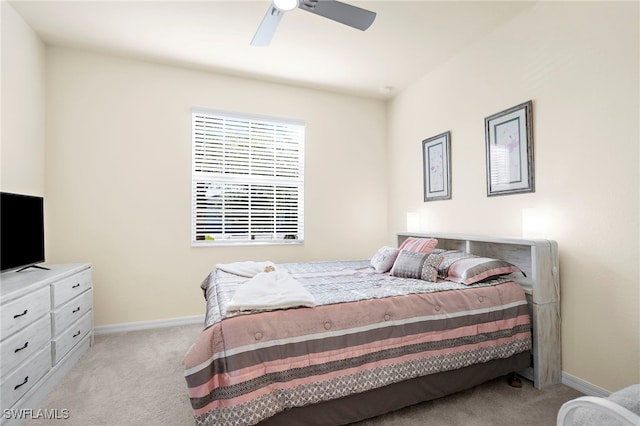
[21, 230]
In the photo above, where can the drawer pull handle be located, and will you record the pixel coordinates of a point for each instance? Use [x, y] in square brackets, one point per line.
[26, 379]
[20, 315]
[77, 334]
[75, 310]
[24, 347]
[76, 286]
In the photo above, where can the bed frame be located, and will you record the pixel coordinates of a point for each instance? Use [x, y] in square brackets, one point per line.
[539, 261]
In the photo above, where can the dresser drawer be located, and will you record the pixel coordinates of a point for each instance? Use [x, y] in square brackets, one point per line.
[22, 312]
[67, 339]
[71, 312]
[17, 348]
[70, 287]
[22, 379]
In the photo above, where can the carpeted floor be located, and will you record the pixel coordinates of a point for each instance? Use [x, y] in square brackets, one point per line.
[136, 378]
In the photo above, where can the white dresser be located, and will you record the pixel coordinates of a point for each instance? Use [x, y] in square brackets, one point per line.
[46, 325]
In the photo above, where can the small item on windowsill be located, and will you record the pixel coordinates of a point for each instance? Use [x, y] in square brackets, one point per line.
[269, 268]
[514, 381]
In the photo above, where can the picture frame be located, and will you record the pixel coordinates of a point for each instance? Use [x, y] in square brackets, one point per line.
[436, 164]
[509, 151]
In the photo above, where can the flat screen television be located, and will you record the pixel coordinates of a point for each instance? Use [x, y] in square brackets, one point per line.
[21, 230]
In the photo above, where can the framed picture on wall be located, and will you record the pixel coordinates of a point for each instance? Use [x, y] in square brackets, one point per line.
[436, 164]
[509, 148]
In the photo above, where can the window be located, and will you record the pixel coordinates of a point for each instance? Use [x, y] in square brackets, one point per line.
[247, 179]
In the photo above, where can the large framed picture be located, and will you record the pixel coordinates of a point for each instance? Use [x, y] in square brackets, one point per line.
[436, 157]
[509, 146]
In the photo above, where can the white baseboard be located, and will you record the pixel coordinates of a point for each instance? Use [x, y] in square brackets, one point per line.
[148, 325]
[583, 386]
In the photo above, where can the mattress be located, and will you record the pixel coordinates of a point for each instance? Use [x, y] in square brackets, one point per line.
[367, 331]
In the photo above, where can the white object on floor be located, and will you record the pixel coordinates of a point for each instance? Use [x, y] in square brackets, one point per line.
[621, 408]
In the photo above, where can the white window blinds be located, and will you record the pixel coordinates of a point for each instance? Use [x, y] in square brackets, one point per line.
[247, 179]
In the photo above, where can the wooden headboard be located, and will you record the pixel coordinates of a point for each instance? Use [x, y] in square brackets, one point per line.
[539, 261]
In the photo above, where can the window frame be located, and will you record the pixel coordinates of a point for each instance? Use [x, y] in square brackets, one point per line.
[224, 178]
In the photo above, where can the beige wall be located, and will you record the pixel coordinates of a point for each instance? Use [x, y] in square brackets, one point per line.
[23, 106]
[118, 177]
[578, 62]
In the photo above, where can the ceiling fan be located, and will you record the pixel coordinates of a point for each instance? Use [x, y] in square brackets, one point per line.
[337, 11]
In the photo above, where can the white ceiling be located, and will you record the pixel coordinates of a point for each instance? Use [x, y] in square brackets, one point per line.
[407, 40]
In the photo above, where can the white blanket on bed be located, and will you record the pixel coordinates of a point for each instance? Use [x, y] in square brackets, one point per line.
[248, 268]
[270, 290]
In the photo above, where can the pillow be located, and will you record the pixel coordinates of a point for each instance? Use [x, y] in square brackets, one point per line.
[419, 245]
[383, 260]
[465, 268]
[422, 266]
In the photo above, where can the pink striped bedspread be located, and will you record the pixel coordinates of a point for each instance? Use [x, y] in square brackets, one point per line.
[368, 330]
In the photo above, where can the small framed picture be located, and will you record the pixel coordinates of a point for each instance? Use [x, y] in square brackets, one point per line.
[509, 147]
[436, 157]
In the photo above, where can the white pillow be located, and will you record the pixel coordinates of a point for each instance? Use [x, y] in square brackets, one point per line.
[384, 258]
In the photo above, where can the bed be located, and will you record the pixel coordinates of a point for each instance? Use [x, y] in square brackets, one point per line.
[370, 341]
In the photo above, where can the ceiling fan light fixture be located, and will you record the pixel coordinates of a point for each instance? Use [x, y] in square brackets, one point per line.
[285, 5]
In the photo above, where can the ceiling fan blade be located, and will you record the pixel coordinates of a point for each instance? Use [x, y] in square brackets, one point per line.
[267, 27]
[340, 12]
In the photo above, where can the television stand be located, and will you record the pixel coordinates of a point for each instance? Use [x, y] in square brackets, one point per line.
[33, 266]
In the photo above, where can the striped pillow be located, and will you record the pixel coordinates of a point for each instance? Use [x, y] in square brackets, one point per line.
[421, 266]
[419, 245]
[465, 268]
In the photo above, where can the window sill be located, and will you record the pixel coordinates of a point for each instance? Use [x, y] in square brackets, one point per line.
[227, 243]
